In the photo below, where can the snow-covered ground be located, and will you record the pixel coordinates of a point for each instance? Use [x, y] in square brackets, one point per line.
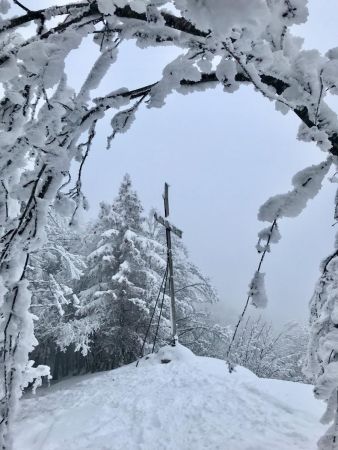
[191, 403]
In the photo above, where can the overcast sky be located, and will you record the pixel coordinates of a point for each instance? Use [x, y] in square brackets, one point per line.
[223, 155]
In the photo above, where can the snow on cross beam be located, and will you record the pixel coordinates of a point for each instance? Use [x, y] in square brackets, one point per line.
[168, 225]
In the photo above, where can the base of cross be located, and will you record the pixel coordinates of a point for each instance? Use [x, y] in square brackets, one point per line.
[174, 341]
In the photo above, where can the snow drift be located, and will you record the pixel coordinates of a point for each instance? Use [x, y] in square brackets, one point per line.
[189, 403]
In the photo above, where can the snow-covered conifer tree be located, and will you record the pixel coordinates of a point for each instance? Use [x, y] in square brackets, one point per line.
[52, 273]
[116, 296]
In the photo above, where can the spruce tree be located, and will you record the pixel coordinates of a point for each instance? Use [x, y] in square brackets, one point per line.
[116, 298]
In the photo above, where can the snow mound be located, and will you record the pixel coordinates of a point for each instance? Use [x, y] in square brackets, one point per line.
[169, 354]
[190, 403]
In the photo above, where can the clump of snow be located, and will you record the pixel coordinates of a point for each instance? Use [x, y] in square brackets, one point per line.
[226, 72]
[222, 16]
[106, 6]
[4, 6]
[330, 75]
[34, 375]
[177, 70]
[122, 120]
[257, 291]
[314, 134]
[190, 403]
[8, 70]
[307, 183]
[168, 354]
[267, 236]
[139, 5]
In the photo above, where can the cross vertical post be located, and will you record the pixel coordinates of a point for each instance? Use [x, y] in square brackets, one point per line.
[169, 228]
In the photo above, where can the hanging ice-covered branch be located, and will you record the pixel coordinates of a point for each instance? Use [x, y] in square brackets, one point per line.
[307, 184]
[256, 291]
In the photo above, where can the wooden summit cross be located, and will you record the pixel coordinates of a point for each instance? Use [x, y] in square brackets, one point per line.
[169, 228]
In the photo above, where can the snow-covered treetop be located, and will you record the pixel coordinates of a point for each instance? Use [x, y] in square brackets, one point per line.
[128, 206]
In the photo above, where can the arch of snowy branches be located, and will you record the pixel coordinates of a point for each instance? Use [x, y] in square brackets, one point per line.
[46, 125]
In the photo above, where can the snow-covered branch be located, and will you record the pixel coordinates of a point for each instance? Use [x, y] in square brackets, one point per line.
[43, 121]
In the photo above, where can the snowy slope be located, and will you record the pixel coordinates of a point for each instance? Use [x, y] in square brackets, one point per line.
[191, 403]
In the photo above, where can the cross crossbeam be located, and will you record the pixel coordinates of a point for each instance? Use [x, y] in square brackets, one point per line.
[168, 225]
